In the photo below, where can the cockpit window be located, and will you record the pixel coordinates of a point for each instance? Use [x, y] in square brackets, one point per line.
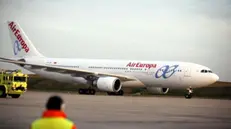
[206, 71]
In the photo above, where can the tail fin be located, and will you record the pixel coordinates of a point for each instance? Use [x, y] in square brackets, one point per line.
[22, 46]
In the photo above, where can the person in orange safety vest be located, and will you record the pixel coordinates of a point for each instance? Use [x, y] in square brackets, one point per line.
[54, 117]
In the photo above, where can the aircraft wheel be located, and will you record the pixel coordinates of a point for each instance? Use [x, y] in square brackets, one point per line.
[91, 91]
[110, 93]
[87, 91]
[81, 91]
[120, 93]
[188, 96]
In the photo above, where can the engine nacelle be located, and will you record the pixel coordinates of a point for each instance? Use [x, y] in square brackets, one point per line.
[156, 90]
[109, 84]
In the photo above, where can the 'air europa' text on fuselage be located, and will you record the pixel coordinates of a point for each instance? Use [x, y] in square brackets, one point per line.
[141, 65]
[18, 36]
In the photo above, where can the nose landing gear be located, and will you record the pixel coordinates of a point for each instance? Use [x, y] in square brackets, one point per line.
[189, 94]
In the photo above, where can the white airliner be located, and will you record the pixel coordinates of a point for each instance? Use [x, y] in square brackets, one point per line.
[108, 75]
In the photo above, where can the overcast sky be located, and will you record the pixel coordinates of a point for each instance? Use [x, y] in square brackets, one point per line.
[198, 31]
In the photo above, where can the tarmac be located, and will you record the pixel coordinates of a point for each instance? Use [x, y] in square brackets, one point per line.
[120, 112]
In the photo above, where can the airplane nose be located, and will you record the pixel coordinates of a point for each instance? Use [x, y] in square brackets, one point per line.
[215, 77]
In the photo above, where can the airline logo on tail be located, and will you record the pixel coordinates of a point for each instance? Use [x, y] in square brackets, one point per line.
[20, 41]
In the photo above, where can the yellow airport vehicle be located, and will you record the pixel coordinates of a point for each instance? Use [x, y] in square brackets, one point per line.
[12, 83]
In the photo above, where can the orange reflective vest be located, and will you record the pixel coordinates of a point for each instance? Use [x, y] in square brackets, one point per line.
[53, 119]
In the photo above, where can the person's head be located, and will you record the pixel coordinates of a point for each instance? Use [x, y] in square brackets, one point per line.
[55, 103]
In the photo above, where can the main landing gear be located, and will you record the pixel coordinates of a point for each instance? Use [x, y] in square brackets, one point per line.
[189, 94]
[88, 91]
[91, 91]
[120, 93]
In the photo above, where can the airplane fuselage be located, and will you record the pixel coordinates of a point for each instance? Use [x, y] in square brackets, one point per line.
[171, 74]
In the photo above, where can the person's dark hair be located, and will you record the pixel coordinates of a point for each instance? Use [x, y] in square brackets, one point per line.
[54, 103]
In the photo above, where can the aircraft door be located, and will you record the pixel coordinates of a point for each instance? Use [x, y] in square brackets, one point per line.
[187, 72]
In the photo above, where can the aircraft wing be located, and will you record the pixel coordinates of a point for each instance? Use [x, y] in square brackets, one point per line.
[71, 71]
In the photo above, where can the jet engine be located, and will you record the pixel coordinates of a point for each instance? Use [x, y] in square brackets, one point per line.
[155, 90]
[109, 84]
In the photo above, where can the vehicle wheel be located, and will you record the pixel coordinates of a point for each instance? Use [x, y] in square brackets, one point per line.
[15, 96]
[3, 92]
